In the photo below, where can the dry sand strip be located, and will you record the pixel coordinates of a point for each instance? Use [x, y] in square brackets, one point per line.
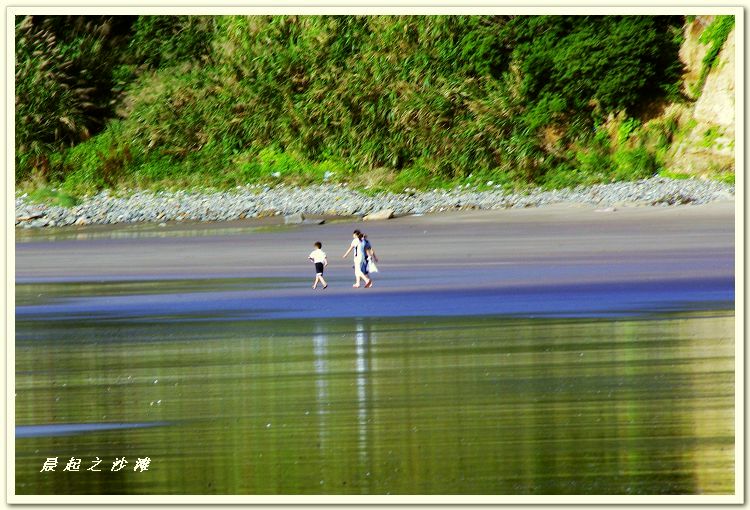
[563, 261]
[684, 238]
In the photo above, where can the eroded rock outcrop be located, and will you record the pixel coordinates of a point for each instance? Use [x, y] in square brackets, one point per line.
[707, 127]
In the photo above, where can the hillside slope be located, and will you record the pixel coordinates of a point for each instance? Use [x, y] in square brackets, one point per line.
[708, 125]
[379, 102]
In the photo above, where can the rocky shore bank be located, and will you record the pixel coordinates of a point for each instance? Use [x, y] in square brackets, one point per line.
[339, 200]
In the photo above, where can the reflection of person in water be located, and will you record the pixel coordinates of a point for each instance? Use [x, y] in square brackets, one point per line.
[360, 259]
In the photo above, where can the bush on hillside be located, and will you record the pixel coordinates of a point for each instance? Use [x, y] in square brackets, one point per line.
[439, 97]
[63, 83]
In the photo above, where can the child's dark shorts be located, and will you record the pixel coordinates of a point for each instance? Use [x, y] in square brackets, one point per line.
[319, 267]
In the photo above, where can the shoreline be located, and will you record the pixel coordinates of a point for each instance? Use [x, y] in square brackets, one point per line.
[536, 261]
[340, 201]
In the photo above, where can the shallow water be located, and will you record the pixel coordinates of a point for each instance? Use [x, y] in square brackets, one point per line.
[513, 352]
[450, 405]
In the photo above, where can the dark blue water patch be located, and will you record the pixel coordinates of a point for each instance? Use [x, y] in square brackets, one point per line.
[599, 299]
[67, 429]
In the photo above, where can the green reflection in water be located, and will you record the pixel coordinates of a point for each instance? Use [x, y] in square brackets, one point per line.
[399, 406]
[169, 230]
[48, 292]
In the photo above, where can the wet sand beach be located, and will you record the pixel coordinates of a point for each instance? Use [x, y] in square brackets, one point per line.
[454, 262]
[558, 350]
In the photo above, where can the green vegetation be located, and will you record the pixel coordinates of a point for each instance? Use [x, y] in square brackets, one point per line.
[710, 136]
[715, 35]
[382, 102]
[723, 176]
[674, 175]
[64, 85]
[52, 196]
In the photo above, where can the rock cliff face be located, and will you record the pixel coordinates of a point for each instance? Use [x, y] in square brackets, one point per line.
[707, 127]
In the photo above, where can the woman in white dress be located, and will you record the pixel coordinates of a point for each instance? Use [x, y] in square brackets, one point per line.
[360, 259]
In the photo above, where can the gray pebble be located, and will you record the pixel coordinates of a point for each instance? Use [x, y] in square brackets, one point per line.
[338, 199]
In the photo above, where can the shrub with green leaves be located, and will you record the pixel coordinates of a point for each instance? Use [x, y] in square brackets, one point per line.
[418, 100]
[164, 41]
[63, 84]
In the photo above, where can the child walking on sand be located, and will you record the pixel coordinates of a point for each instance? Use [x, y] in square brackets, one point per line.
[318, 256]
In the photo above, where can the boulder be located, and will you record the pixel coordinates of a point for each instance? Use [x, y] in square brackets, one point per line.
[29, 217]
[294, 219]
[384, 214]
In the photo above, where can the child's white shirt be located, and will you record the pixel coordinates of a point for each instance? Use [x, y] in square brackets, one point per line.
[318, 255]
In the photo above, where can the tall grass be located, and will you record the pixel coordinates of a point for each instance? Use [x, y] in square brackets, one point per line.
[64, 85]
[409, 100]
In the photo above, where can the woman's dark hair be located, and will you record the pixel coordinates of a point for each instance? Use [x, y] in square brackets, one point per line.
[318, 245]
[357, 232]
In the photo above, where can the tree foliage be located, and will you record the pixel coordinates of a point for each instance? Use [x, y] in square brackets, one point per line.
[614, 62]
[438, 97]
[163, 41]
[63, 82]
